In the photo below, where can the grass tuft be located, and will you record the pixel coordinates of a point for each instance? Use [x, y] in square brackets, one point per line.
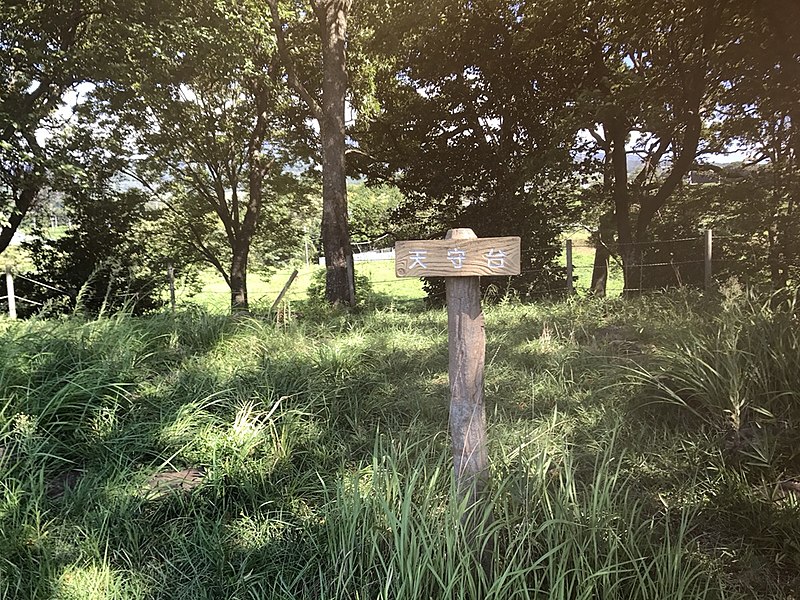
[322, 461]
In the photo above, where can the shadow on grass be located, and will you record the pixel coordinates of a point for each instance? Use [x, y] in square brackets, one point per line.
[277, 416]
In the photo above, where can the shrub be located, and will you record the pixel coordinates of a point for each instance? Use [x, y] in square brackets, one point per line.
[316, 290]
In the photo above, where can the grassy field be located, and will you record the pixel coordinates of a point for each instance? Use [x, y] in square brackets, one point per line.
[640, 449]
[215, 295]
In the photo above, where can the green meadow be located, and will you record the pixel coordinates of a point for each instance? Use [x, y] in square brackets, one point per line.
[214, 294]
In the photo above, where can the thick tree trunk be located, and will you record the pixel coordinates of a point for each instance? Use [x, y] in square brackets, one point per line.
[238, 280]
[600, 271]
[632, 269]
[332, 18]
[602, 255]
[339, 278]
[617, 133]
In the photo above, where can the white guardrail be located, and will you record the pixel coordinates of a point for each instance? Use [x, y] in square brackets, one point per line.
[371, 256]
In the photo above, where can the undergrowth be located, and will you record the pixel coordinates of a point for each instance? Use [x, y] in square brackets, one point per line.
[321, 450]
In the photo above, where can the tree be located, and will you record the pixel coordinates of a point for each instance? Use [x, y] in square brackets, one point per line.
[331, 21]
[474, 128]
[655, 73]
[666, 86]
[45, 49]
[371, 212]
[759, 112]
[212, 134]
[108, 259]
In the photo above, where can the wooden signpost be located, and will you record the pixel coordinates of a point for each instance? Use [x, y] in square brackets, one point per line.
[462, 258]
[460, 254]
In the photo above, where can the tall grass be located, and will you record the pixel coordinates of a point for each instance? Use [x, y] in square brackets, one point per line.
[325, 461]
[394, 529]
[739, 374]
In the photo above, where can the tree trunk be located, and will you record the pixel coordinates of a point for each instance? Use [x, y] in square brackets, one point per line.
[22, 203]
[602, 255]
[238, 279]
[617, 132]
[339, 278]
[632, 269]
[600, 271]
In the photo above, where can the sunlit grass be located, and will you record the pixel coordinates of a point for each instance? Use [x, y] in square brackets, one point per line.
[323, 460]
[215, 295]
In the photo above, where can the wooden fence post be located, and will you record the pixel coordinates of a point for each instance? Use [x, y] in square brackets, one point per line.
[570, 281]
[171, 276]
[707, 254]
[12, 301]
[467, 349]
[283, 291]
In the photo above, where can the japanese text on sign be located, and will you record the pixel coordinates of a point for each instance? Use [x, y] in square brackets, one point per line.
[458, 258]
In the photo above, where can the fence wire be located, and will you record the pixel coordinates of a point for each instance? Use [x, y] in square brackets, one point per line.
[220, 299]
[44, 285]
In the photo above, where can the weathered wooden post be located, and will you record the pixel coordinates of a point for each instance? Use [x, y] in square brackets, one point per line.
[12, 301]
[283, 291]
[707, 267]
[570, 280]
[171, 277]
[462, 258]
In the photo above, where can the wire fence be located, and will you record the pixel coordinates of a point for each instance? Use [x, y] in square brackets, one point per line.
[682, 261]
[566, 268]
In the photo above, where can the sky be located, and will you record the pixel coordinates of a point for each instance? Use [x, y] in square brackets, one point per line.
[77, 95]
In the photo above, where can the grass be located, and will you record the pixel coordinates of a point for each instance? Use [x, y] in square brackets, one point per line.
[215, 294]
[325, 462]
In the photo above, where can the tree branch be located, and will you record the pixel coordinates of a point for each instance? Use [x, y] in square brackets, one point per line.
[283, 50]
[653, 157]
[197, 241]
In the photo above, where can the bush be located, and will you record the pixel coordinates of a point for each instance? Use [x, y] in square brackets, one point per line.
[316, 290]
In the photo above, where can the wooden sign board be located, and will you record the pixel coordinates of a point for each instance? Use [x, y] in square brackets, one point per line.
[458, 257]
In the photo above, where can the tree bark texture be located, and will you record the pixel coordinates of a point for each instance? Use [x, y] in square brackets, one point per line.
[602, 255]
[467, 349]
[339, 277]
[23, 201]
[238, 280]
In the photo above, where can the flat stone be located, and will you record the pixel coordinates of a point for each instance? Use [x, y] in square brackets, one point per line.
[168, 482]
